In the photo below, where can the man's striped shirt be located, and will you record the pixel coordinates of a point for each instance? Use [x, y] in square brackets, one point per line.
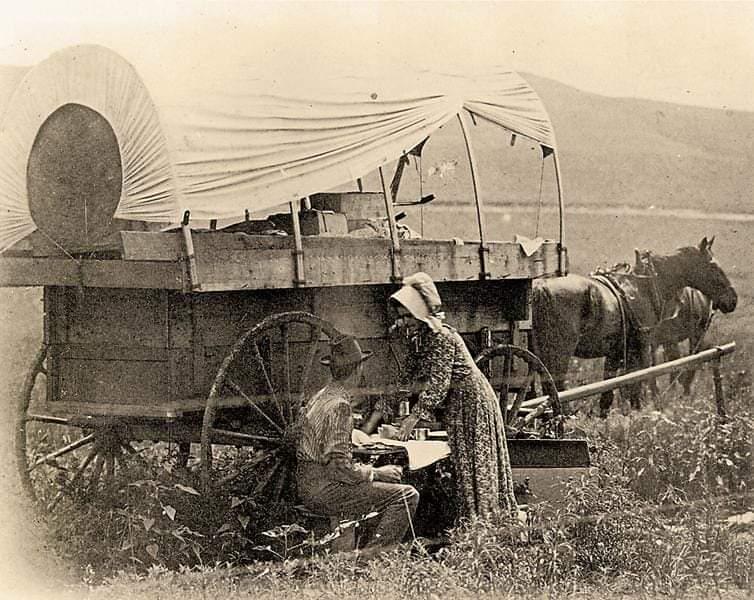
[327, 423]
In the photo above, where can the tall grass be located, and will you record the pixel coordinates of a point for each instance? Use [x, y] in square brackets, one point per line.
[649, 518]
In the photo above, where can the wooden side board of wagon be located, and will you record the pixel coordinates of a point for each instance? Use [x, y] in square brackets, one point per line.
[237, 261]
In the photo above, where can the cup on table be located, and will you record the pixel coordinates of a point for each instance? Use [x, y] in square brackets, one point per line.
[404, 408]
[420, 434]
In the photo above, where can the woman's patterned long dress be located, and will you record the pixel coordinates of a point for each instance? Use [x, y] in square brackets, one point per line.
[476, 433]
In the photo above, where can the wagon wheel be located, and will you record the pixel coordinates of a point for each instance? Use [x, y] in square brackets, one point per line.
[270, 372]
[55, 458]
[521, 375]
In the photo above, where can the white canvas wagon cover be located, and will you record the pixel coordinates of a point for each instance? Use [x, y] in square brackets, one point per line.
[85, 126]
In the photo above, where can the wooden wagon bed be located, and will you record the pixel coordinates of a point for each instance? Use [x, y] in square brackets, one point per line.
[125, 338]
[237, 261]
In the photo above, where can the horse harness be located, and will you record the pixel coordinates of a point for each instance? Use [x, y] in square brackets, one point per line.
[605, 280]
[625, 283]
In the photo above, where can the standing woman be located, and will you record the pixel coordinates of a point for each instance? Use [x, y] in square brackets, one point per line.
[449, 378]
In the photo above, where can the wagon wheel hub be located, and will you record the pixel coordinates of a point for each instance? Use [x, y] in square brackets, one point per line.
[271, 370]
[517, 374]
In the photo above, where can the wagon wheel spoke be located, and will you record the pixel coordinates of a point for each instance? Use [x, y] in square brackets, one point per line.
[311, 354]
[94, 478]
[505, 387]
[523, 374]
[76, 477]
[87, 439]
[285, 342]
[182, 455]
[236, 438]
[520, 397]
[280, 483]
[235, 387]
[248, 467]
[267, 477]
[258, 389]
[110, 462]
[268, 382]
[127, 447]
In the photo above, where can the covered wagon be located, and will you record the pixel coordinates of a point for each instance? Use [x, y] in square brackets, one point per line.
[201, 239]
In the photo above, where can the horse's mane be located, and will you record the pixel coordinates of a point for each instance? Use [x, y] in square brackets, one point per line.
[646, 260]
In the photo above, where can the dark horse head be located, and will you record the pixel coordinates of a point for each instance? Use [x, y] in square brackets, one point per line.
[694, 266]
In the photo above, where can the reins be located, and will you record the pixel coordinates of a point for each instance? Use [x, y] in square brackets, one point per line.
[658, 299]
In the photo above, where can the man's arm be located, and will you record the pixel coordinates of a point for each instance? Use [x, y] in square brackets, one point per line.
[338, 456]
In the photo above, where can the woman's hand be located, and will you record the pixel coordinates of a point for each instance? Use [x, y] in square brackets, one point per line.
[388, 474]
[407, 427]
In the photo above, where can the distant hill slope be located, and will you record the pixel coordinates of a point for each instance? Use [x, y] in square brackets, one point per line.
[613, 152]
[640, 152]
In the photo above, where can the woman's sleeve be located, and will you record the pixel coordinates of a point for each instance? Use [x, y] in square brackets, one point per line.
[385, 405]
[439, 371]
[408, 381]
[337, 454]
[411, 370]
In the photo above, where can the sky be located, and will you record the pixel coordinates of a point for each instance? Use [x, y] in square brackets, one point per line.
[699, 53]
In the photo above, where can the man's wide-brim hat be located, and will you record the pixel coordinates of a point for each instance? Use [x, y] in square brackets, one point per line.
[345, 351]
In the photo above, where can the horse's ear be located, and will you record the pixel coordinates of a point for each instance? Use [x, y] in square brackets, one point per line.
[637, 256]
[705, 245]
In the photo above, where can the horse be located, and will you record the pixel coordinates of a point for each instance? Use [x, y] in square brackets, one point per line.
[688, 321]
[587, 317]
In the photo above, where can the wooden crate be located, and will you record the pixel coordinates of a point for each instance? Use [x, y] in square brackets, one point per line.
[355, 205]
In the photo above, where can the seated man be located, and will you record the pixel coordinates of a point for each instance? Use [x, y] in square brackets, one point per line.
[329, 482]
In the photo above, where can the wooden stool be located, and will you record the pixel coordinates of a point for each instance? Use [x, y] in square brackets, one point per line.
[324, 524]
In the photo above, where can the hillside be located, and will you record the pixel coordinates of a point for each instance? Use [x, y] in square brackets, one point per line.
[613, 151]
[640, 152]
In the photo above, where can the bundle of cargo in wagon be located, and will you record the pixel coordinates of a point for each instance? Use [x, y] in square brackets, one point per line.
[158, 331]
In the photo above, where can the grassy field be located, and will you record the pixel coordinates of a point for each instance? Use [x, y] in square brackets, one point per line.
[593, 240]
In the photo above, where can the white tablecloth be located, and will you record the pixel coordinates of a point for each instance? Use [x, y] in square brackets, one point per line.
[420, 453]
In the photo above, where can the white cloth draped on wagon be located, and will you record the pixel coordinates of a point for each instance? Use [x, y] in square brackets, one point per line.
[217, 141]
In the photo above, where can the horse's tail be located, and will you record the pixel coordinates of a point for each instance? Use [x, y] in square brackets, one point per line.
[546, 322]
[541, 305]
